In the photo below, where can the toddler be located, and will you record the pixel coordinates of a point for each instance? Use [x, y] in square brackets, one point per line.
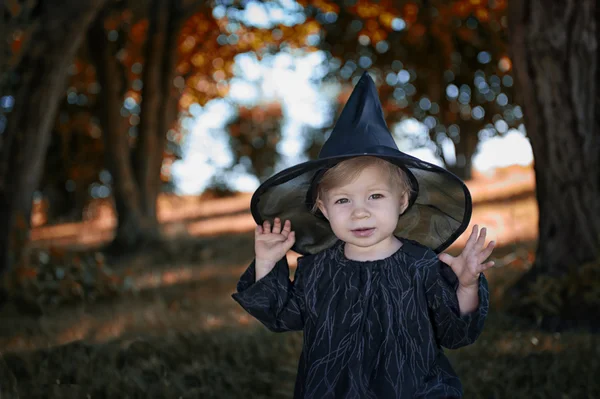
[375, 305]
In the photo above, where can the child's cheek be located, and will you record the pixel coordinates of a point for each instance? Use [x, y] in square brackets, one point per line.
[338, 218]
[336, 226]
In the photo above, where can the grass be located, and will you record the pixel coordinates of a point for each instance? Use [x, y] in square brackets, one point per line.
[228, 363]
[510, 360]
[515, 360]
[182, 336]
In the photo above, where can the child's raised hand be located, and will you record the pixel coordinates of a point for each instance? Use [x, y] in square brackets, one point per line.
[271, 244]
[469, 264]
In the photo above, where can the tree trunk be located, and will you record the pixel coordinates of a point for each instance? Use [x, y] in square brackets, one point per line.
[136, 190]
[159, 99]
[465, 150]
[554, 48]
[43, 76]
[132, 221]
[435, 54]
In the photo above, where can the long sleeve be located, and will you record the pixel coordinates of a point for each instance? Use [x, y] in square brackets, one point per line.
[451, 329]
[274, 300]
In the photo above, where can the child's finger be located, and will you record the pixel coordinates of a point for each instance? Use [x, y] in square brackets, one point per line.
[481, 240]
[486, 252]
[287, 228]
[267, 226]
[291, 238]
[446, 258]
[258, 230]
[277, 226]
[472, 239]
[486, 265]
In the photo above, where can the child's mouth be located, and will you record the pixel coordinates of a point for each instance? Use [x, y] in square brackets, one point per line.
[363, 232]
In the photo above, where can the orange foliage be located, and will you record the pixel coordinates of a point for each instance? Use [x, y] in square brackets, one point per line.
[25, 273]
[206, 47]
[505, 64]
[207, 65]
[16, 44]
[410, 13]
[379, 16]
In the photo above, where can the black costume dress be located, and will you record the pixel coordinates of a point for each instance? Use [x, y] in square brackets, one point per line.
[372, 329]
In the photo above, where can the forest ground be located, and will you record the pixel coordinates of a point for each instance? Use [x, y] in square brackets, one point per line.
[174, 331]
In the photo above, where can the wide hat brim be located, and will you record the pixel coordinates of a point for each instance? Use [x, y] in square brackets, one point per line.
[438, 213]
[440, 206]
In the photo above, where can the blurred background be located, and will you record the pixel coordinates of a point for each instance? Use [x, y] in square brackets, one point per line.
[133, 133]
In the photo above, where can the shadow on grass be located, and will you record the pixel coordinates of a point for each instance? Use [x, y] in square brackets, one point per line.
[180, 294]
[508, 361]
[186, 299]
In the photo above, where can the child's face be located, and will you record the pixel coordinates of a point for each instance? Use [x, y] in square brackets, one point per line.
[364, 213]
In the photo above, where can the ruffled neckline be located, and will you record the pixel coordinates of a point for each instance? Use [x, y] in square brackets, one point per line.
[342, 260]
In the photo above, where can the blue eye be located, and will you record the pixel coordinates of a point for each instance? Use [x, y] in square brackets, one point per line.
[342, 201]
[377, 196]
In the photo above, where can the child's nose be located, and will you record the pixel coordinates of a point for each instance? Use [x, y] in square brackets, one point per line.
[360, 212]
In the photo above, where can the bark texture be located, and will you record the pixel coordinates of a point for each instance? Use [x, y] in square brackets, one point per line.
[42, 78]
[159, 99]
[111, 77]
[554, 48]
[136, 171]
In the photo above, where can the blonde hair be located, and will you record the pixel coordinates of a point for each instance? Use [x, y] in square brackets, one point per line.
[347, 171]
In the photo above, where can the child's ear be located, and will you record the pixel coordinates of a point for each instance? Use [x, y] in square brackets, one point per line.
[321, 207]
[403, 203]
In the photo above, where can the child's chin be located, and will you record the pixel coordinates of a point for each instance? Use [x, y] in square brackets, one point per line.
[363, 242]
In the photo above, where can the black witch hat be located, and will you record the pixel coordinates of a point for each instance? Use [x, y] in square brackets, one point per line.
[439, 209]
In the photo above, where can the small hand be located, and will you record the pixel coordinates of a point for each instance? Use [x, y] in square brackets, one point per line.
[271, 245]
[469, 264]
